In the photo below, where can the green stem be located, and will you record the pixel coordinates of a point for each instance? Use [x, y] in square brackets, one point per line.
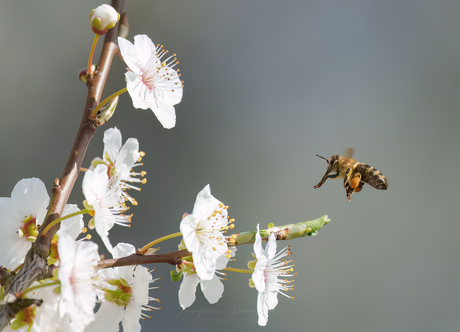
[167, 237]
[286, 232]
[237, 270]
[58, 220]
[89, 71]
[27, 290]
[105, 101]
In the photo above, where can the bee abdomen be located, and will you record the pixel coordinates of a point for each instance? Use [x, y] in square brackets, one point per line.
[372, 176]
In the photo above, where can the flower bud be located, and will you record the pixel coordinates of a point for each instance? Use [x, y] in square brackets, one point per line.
[83, 73]
[106, 112]
[103, 18]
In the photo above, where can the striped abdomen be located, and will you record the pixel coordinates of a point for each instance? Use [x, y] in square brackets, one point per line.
[372, 176]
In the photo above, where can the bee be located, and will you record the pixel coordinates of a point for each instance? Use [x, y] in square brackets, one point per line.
[353, 173]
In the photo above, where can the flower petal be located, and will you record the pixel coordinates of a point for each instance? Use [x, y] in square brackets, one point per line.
[112, 144]
[187, 290]
[129, 55]
[144, 48]
[212, 289]
[165, 114]
[29, 195]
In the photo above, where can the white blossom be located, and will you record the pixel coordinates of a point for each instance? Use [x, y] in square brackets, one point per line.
[105, 197]
[76, 273]
[212, 289]
[125, 297]
[120, 159]
[151, 80]
[20, 215]
[202, 232]
[266, 272]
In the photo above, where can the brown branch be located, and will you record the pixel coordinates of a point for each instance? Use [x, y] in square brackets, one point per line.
[172, 258]
[35, 261]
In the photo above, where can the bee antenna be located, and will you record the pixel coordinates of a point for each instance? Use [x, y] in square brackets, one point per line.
[322, 157]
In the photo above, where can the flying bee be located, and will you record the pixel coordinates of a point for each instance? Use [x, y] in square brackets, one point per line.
[353, 173]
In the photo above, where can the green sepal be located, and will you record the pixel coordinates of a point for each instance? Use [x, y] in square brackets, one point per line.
[17, 324]
[31, 239]
[125, 298]
[97, 161]
[91, 224]
[270, 225]
[51, 260]
[182, 245]
[176, 276]
[252, 265]
[251, 283]
[114, 282]
[87, 206]
[125, 283]
[112, 171]
[57, 290]
[96, 23]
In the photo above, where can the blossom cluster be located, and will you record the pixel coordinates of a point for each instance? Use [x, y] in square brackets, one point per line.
[80, 293]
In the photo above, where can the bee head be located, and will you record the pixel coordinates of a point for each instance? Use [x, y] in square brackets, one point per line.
[330, 162]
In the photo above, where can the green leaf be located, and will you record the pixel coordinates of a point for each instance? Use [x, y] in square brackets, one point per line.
[176, 276]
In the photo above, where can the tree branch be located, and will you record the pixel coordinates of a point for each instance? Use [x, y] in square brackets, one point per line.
[172, 258]
[35, 263]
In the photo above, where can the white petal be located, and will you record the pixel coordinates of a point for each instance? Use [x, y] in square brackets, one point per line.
[128, 155]
[140, 286]
[222, 261]
[212, 289]
[270, 248]
[71, 226]
[137, 91]
[205, 203]
[104, 221]
[258, 250]
[205, 260]
[272, 299]
[131, 319]
[123, 249]
[258, 276]
[144, 48]
[29, 195]
[262, 309]
[112, 143]
[95, 183]
[187, 290]
[106, 318]
[188, 227]
[169, 97]
[129, 54]
[165, 114]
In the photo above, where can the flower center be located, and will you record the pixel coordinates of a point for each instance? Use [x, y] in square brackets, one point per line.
[122, 295]
[29, 228]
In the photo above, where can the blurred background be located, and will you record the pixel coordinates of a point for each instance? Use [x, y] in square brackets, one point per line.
[269, 84]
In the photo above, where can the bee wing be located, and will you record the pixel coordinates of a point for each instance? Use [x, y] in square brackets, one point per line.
[349, 152]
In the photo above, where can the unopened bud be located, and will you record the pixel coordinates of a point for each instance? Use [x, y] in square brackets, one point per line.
[83, 73]
[106, 112]
[103, 18]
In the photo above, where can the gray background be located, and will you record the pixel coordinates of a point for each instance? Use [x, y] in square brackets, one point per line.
[269, 84]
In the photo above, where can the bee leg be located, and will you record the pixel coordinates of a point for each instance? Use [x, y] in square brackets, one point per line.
[346, 179]
[350, 192]
[322, 180]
